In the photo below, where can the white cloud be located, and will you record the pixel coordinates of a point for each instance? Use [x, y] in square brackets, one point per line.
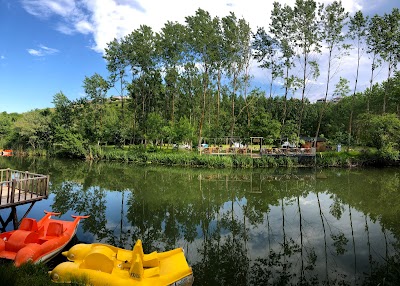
[47, 8]
[34, 52]
[105, 20]
[109, 19]
[42, 51]
[84, 27]
[2, 57]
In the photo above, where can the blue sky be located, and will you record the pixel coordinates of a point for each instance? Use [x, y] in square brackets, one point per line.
[49, 46]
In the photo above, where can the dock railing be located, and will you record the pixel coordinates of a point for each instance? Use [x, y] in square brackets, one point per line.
[18, 187]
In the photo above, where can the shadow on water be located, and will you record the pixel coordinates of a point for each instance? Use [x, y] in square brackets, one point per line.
[238, 227]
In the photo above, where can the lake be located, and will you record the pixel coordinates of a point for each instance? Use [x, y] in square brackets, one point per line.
[237, 227]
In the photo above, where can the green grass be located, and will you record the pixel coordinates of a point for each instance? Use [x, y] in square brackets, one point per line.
[29, 274]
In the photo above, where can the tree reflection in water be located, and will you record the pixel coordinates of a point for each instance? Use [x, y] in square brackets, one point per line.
[260, 227]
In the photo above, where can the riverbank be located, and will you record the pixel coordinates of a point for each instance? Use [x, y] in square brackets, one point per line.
[187, 158]
[194, 159]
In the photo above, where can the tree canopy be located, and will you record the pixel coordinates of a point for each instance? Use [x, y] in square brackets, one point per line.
[192, 81]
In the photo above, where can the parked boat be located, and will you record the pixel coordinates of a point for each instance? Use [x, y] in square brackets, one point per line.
[6, 153]
[104, 264]
[37, 241]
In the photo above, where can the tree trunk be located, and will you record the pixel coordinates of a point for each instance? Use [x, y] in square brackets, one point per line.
[203, 109]
[353, 98]
[371, 79]
[218, 95]
[326, 96]
[233, 104]
[303, 91]
[285, 98]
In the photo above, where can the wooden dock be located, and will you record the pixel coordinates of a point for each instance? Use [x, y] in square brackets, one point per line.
[17, 187]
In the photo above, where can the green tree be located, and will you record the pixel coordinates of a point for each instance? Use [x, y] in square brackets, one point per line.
[282, 28]
[96, 88]
[184, 131]
[5, 127]
[264, 126]
[236, 43]
[358, 28]
[357, 32]
[342, 88]
[154, 125]
[33, 129]
[390, 46]
[172, 47]
[63, 110]
[333, 20]
[380, 131]
[373, 40]
[117, 64]
[141, 51]
[203, 42]
[266, 53]
[307, 37]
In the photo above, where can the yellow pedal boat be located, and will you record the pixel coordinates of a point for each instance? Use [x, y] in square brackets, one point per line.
[102, 264]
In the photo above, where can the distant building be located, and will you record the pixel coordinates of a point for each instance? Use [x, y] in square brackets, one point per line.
[336, 99]
[118, 98]
[333, 100]
[309, 142]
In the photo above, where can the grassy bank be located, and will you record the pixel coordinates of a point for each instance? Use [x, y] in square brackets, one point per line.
[194, 159]
[29, 274]
[186, 158]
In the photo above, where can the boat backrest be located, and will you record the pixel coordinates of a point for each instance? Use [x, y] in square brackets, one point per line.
[28, 224]
[54, 229]
[19, 239]
[99, 262]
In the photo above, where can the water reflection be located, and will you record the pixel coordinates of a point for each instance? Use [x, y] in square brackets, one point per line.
[260, 227]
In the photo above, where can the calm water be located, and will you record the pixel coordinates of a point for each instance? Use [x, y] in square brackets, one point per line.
[238, 227]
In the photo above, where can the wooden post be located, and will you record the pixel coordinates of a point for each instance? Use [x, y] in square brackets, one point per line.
[8, 175]
[14, 217]
[13, 184]
[25, 188]
[34, 187]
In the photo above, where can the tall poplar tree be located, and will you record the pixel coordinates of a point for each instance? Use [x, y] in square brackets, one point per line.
[390, 46]
[202, 35]
[306, 33]
[141, 52]
[281, 27]
[117, 65]
[357, 32]
[171, 44]
[332, 21]
[373, 40]
[266, 52]
[96, 88]
[237, 35]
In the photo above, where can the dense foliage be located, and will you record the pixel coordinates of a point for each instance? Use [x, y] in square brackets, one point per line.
[191, 83]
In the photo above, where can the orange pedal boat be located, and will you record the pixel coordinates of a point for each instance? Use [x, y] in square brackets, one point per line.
[37, 241]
